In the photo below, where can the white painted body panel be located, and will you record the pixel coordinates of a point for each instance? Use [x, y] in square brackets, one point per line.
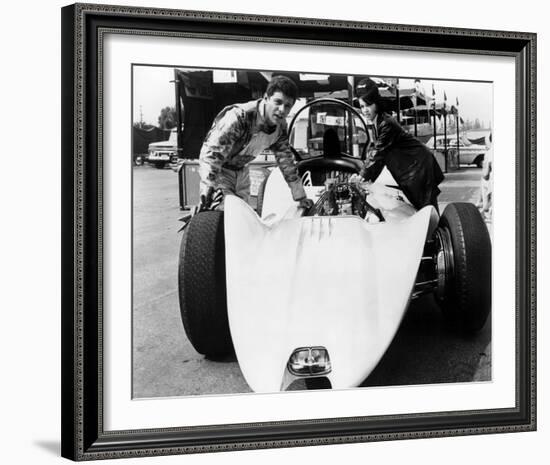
[337, 282]
[278, 202]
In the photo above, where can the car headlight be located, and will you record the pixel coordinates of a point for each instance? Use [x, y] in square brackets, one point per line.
[308, 361]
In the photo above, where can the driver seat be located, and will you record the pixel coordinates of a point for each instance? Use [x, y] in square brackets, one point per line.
[333, 160]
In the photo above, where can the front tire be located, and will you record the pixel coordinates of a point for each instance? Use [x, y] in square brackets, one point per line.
[464, 255]
[313, 384]
[479, 161]
[202, 285]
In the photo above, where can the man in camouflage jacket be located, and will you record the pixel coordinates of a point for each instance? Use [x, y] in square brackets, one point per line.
[241, 132]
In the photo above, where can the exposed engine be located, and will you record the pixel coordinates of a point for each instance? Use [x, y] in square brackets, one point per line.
[344, 198]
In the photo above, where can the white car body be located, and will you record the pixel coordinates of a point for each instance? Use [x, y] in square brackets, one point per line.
[338, 282]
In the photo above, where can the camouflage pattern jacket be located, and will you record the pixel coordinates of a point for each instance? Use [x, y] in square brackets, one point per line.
[240, 133]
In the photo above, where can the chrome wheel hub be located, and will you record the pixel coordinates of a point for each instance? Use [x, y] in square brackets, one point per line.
[444, 261]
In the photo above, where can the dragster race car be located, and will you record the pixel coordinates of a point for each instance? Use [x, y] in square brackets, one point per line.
[320, 294]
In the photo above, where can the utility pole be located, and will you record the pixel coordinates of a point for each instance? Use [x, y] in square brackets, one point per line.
[417, 89]
[457, 134]
[398, 101]
[179, 118]
[445, 151]
[415, 120]
[435, 129]
[351, 123]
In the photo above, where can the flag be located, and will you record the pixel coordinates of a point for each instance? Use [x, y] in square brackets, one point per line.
[461, 120]
[433, 91]
[457, 101]
[444, 96]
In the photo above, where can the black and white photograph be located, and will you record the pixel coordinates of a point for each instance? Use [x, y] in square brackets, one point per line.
[302, 231]
[281, 232]
[275, 233]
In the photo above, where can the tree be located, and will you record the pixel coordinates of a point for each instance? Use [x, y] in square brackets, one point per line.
[167, 119]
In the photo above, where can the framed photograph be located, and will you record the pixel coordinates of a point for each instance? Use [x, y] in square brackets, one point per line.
[284, 232]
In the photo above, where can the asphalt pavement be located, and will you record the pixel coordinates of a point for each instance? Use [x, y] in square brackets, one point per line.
[165, 364]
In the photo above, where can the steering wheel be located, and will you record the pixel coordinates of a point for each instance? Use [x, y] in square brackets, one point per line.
[334, 162]
[343, 163]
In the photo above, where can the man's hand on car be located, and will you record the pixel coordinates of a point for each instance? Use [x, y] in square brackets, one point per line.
[210, 201]
[305, 203]
[355, 179]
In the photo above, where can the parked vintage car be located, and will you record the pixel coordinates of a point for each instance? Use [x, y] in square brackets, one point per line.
[319, 294]
[164, 152]
[470, 154]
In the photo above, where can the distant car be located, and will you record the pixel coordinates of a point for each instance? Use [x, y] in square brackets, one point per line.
[470, 154]
[163, 152]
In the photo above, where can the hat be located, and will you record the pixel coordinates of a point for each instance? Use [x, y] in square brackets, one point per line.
[368, 91]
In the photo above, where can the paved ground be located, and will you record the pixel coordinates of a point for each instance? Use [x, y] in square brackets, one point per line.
[165, 364]
[460, 186]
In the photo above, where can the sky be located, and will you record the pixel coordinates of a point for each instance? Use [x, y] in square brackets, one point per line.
[154, 91]
[475, 98]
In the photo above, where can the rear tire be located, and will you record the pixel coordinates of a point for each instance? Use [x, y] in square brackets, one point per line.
[160, 165]
[466, 298]
[202, 285]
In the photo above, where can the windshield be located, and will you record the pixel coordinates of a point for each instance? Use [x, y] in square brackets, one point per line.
[328, 128]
